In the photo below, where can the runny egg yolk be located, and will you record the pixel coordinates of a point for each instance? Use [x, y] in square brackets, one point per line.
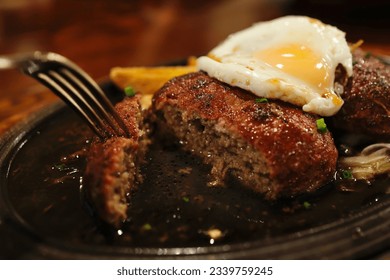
[300, 62]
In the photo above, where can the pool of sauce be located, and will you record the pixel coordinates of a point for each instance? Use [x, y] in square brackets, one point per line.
[173, 207]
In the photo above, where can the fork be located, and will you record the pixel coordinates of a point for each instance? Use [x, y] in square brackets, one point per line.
[74, 86]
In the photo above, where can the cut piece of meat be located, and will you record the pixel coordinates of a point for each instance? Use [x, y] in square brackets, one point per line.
[112, 170]
[272, 147]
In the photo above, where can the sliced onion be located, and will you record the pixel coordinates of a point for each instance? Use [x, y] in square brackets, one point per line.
[372, 161]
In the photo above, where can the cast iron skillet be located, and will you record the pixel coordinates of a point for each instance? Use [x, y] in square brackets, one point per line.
[173, 213]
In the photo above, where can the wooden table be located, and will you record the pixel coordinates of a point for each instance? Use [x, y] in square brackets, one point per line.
[101, 34]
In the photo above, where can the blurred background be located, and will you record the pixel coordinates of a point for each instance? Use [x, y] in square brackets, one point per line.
[100, 34]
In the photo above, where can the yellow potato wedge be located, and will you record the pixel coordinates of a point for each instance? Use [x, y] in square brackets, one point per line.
[146, 80]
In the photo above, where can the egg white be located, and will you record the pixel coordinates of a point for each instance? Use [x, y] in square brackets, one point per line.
[249, 59]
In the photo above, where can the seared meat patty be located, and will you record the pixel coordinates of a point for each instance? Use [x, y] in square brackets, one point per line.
[367, 98]
[272, 147]
[112, 166]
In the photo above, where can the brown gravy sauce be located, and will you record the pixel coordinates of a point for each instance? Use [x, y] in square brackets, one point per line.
[173, 207]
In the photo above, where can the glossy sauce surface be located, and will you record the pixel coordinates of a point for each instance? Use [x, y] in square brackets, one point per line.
[172, 208]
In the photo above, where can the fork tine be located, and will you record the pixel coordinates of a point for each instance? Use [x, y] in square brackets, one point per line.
[81, 95]
[94, 123]
[96, 93]
[77, 89]
[95, 96]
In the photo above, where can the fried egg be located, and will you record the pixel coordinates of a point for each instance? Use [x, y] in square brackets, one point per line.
[293, 58]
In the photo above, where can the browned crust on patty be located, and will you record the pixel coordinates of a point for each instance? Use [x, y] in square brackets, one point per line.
[110, 177]
[366, 108]
[112, 170]
[282, 141]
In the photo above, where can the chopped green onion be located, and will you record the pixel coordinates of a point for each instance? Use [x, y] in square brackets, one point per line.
[146, 227]
[186, 199]
[306, 204]
[321, 125]
[129, 91]
[347, 174]
[367, 55]
[60, 167]
[261, 100]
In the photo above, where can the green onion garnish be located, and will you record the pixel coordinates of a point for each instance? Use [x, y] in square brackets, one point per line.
[60, 167]
[306, 204]
[261, 100]
[186, 199]
[347, 174]
[146, 227]
[129, 91]
[321, 125]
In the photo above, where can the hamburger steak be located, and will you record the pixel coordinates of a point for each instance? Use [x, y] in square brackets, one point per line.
[112, 170]
[366, 108]
[272, 147]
